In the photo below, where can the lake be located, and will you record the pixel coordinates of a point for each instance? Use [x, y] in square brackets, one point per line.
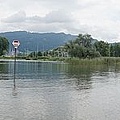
[59, 91]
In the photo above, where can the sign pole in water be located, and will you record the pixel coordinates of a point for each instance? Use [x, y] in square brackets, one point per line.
[15, 43]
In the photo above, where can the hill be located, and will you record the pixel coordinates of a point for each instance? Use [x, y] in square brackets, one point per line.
[37, 41]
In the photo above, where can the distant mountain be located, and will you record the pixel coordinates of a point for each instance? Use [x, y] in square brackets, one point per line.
[37, 41]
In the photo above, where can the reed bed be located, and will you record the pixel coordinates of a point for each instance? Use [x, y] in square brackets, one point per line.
[95, 61]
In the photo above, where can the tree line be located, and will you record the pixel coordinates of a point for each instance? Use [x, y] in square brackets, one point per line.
[84, 46]
[4, 46]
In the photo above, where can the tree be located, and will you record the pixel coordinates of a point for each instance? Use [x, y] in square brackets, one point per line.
[4, 46]
[32, 54]
[80, 47]
[117, 50]
[84, 40]
[70, 46]
[112, 52]
[39, 53]
[102, 47]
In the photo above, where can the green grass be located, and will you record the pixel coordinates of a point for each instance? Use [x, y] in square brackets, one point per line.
[75, 61]
[12, 57]
[95, 61]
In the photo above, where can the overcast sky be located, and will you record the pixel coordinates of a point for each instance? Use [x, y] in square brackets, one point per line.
[99, 18]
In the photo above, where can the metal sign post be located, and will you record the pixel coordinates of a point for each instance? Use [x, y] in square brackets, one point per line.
[15, 43]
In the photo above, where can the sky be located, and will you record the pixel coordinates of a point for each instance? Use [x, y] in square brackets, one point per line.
[99, 18]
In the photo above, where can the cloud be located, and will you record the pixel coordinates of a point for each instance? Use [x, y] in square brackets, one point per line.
[100, 18]
[15, 18]
[52, 17]
[54, 21]
[58, 16]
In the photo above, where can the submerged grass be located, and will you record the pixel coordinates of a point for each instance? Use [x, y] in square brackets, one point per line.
[76, 61]
[95, 61]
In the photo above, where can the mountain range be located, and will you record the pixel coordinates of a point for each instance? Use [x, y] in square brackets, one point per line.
[37, 41]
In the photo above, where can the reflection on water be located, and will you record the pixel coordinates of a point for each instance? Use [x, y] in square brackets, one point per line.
[3, 71]
[58, 91]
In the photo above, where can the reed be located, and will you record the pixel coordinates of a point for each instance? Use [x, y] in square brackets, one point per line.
[95, 61]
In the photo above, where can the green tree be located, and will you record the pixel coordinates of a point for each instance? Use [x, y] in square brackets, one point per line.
[39, 53]
[70, 46]
[112, 51]
[80, 46]
[117, 50]
[84, 40]
[4, 46]
[102, 47]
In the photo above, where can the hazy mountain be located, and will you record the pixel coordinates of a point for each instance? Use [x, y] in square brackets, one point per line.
[37, 41]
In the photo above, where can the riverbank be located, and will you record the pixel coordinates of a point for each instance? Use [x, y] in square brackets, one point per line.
[42, 58]
[74, 61]
[95, 61]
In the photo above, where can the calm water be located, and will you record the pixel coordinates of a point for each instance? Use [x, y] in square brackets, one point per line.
[58, 91]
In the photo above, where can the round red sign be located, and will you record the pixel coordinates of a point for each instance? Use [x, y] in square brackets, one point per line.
[16, 43]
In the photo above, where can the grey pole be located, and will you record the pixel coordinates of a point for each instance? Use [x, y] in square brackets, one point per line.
[15, 43]
[15, 68]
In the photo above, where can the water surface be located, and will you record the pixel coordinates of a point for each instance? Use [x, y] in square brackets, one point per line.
[58, 91]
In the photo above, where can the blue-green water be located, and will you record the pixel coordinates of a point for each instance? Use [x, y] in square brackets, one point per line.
[58, 91]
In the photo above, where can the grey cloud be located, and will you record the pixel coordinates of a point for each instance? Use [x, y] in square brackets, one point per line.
[44, 27]
[18, 17]
[52, 17]
[106, 35]
[34, 19]
[58, 16]
[54, 21]
[99, 18]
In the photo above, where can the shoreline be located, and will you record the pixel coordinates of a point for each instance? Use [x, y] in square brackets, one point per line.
[23, 60]
[74, 61]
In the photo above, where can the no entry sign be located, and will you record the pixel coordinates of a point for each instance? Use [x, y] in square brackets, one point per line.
[16, 43]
